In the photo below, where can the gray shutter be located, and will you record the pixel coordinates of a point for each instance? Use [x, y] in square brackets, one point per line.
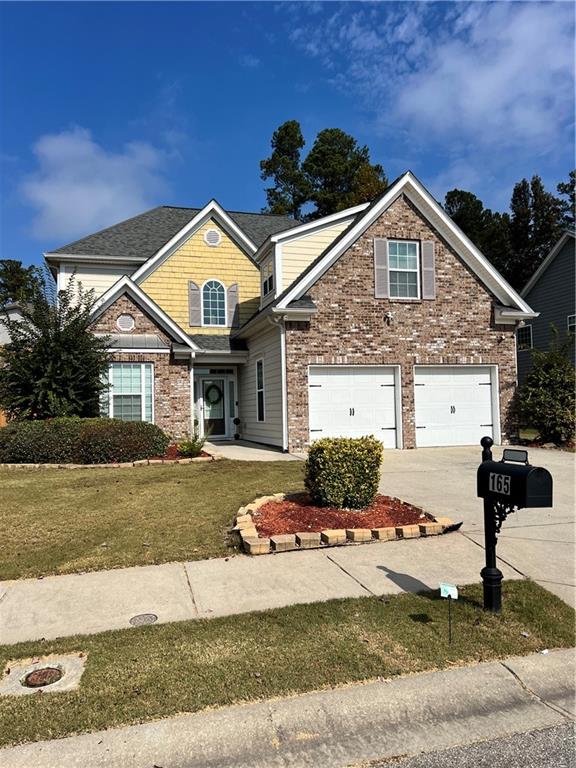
[194, 304]
[428, 270]
[232, 303]
[380, 268]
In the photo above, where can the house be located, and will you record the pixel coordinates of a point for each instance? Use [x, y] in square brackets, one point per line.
[551, 291]
[381, 319]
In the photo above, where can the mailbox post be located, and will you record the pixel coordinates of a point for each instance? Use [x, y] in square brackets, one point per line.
[506, 486]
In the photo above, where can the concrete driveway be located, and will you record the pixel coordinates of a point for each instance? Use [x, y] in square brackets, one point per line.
[540, 543]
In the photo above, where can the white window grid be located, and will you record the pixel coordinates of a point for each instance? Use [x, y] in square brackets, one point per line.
[267, 277]
[129, 380]
[213, 303]
[393, 246]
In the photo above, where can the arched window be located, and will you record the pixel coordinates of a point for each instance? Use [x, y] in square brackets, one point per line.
[213, 303]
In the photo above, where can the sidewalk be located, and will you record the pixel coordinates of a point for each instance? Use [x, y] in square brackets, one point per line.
[58, 606]
[336, 728]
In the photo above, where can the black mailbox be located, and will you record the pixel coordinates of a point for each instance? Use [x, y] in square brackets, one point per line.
[518, 485]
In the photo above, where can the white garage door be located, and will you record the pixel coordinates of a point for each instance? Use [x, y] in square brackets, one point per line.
[352, 401]
[453, 405]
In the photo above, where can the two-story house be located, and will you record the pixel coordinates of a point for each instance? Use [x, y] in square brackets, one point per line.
[381, 319]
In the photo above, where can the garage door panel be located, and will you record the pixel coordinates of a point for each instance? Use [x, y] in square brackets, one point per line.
[348, 401]
[453, 405]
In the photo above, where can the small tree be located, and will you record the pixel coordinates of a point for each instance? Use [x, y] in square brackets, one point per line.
[547, 400]
[53, 364]
[17, 283]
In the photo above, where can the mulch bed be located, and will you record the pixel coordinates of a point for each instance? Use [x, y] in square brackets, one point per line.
[172, 453]
[297, 513]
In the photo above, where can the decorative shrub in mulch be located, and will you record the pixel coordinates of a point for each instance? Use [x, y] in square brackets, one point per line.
[296, 513]
[172, 454]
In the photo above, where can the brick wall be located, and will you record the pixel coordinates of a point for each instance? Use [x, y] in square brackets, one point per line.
[350, 329]
[171, 377]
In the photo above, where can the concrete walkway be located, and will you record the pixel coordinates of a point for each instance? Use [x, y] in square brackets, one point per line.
[241, 450]
[539, 543]
[344, 727]
[57, 606]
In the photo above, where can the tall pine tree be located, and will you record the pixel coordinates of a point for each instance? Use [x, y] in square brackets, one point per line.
[290, 190]
[567, 189]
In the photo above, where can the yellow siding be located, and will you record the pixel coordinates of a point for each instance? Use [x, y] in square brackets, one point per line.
[298, 254]
[194, 260]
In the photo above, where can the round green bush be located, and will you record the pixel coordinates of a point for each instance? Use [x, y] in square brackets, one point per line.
[73, 440]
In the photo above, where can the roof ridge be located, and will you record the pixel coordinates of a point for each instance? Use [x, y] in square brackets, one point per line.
[228, 210]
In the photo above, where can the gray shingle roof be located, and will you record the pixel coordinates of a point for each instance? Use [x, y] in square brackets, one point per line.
[214, 343]
[142, 236]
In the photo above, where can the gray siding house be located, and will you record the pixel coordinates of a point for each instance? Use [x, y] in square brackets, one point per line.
[551, 291]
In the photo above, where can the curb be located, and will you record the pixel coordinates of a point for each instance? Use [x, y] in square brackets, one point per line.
[253, 544]
[119, 465]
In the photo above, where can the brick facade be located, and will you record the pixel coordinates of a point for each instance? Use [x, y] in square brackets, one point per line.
[171, 376]
[350, 328]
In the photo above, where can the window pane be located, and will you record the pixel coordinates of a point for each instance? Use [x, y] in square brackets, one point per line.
[148, 392]
[402, 249]
[259, 375]
[411, 249]
[128, 407]
[412, 262]
[393, 262]
[404, 285]
[213, 301]
[261, 405]
[392, 248]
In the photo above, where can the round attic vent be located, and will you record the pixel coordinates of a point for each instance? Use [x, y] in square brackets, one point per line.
[212, 237]
[125, 322]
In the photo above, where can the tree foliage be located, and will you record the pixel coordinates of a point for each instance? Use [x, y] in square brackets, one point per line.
[567, 189]
[546, 402]
[17, 283]
[336, 173]
[53, 364]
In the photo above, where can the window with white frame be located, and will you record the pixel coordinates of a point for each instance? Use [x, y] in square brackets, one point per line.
[524, 338]
[130, 392]
[213, 303]
[260, 415]
[267, 277]
[571, 323]
[403, 269]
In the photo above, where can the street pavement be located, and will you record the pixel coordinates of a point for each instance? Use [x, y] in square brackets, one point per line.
[383, 721]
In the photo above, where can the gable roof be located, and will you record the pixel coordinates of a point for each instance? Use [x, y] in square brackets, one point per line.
[547, 261]
[141, 237]
[413, 189]
[128, 286]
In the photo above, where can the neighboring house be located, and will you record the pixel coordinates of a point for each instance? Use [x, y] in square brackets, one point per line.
[551, 291]
[382, 319]
[13, 312]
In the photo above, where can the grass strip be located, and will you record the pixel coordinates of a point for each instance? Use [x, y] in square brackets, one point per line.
[68, 521]
[145, 673]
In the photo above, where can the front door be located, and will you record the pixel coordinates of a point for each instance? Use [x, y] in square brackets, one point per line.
[214, 406]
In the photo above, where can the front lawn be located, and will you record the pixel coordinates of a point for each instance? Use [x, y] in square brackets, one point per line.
[146, 673]
[65, 521]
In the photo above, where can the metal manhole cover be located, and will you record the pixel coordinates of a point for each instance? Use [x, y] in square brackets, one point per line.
[143, 618]
[44, 676]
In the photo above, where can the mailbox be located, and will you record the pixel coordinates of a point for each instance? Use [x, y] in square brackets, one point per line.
[518, 485]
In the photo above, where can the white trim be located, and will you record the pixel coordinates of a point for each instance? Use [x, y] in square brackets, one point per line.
[418, 296]
[214, 325]
[142, 388]
[283, 377]
[494, 392]
[212, 210]
[263, 390]
[507, 316]
[546, 263]
[421, 198]
[279, 266]
[126, 285]
[56, 257]
[397, 372]
[229, 426]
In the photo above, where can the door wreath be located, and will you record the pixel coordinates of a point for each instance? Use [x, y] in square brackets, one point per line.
[213, 394]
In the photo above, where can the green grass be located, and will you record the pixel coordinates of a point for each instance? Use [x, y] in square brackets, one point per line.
[65, 521]
[134, 675]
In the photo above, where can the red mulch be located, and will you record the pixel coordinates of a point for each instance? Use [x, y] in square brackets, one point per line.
[172, 453]
[296, 513]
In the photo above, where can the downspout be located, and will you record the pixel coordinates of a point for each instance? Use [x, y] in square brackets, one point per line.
[278, 322]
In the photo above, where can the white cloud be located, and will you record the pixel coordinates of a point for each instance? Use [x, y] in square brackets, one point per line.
[80, 186]
[249, 61]
[470, 81]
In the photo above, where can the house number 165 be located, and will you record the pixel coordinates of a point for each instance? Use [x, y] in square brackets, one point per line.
[499, 483]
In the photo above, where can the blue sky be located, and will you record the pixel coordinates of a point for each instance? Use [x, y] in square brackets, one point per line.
[111, 108]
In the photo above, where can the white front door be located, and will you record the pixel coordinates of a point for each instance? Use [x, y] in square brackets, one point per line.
[453, 405]
[352, 401]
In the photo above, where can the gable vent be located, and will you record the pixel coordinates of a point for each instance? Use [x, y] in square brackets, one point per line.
[212, 237]
[125, 322]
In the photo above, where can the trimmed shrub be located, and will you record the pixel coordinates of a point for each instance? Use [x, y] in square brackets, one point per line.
[344, 472]
[191, 446]
[80, 441]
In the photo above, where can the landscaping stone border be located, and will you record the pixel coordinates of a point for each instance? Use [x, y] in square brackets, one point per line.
[252, 544]
[120, 465]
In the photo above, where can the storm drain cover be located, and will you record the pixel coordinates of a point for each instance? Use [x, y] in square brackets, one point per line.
[143, 618]
[42, 676]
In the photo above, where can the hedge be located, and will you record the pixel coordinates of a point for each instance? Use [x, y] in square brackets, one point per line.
[80, 441]
[344, 472]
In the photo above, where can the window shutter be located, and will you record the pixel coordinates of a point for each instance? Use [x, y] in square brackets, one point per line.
[233, 309]
[380, 268]
[428, 270]
[194, 304]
